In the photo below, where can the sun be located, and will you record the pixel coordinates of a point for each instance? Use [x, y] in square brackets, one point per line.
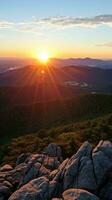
[43, 57]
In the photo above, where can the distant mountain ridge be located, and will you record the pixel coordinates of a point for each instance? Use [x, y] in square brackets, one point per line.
[12, 63]
[31, 75]
[84, 62]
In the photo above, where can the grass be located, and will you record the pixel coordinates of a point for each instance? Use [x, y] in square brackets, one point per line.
[69, 137]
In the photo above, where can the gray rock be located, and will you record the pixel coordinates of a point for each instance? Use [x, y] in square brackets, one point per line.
[106, 147]
[7, 184]
[53, 150]
[51, 163]
[4, 192]
[41, 176]
[106, 191]
[16, 174]
[85, 177]
[22, 158]
[85, 150]
[70, 174]
[31, 172]
[78, 194]
[35, 189]
[6, 168]
[102, 161]
[1, 198]
[79, 170]
[87, 170]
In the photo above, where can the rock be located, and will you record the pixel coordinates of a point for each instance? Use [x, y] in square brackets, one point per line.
[57, 199]
[106, 192]
[35, 189]
[102, 161]
[51, 163]
[31, 172]
[71, 173]
[78, 194]
[53, 150]
[106, 147]
[6, 168]
[42, 176]
[22, 158]
[88, 170]
[79, 171]
[16, 174]
[54, 188]
[4, 192]
[7, 184]
[85, 150]
[64, 163]
[53, 174]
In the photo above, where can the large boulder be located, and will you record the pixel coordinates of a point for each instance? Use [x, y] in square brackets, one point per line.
[87, 169]
[41, 176]
[33, 171]
[102, 161]
[106, 192]
[5, 189]
[53, 150]
[78, 194]
[35, 189]
[4, 192]
[79, 171]
[6, 168]
[22, 158]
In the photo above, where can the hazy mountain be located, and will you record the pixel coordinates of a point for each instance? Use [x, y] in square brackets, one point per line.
[12, 63]
[83, 62]
[31, 75]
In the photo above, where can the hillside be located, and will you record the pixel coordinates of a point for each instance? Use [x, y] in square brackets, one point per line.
[31, 75]
[9, 63]
[27, 118]
[69, 137]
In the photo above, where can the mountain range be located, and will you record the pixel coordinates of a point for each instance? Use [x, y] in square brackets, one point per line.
[31, 75]
[7, 63]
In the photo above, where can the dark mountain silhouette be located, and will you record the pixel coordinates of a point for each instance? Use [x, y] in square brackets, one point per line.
[12, 63]
[31, 75]
[106, 64]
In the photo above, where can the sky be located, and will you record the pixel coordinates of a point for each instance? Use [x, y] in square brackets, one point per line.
[61, 28]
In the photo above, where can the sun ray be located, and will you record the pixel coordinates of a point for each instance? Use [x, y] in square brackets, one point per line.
[43, 57]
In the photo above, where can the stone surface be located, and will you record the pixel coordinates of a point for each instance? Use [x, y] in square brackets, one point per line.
[35, 189]
[44, 177]
[78, 194]
[6, 168]
[53, 150]
[22, 158]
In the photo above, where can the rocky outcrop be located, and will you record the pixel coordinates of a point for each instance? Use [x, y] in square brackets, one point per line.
[86, 175]
[73, 194]
[53, 150]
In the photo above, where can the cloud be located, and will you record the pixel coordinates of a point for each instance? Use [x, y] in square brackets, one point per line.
[109, 44]
[36, 24]
[67, 21]
[28, 27]
[5, 24]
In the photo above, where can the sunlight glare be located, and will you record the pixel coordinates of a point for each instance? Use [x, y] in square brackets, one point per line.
[43, 57]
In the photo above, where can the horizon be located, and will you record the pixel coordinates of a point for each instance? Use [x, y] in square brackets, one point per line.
[53, 58]
[62, 29]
